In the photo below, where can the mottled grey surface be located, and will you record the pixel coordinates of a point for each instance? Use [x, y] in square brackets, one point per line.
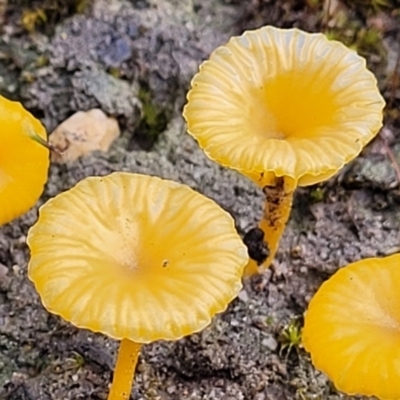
[238, 357]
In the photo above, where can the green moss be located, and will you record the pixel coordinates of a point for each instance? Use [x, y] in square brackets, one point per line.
[154, 120]
[76, 361]
[315, 3]
[317, 194]
[115, 72]
[365, 41]
[32, 18]
[370, 6]
[149, 110]
[269, 320]
[41, 61]
[44, 15]
[290, 336]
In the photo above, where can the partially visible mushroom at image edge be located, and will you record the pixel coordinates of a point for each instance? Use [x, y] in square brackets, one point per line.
[285, 108]
[352, 328]
[137, 258]
[24, 160]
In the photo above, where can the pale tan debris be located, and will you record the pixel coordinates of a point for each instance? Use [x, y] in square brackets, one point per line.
[82, 133]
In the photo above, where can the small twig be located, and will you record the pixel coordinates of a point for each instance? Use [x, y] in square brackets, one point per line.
[394, 81]
[326, 16]
[38, 139]
[354, 225]
[391, 157]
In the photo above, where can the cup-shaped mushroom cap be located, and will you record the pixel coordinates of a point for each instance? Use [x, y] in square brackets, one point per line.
[352, 328]
[23, 161]
[135, 257]
[276, 102]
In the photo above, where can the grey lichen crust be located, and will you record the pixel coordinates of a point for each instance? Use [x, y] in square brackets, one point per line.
[101, 58]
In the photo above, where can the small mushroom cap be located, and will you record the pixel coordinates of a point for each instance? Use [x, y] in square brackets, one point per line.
[135, 257]
[282, 102]
[23, 161]
[352, 328]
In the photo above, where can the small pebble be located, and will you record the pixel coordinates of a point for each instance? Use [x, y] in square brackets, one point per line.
[270, 343]
[243, 296]
[82, 133]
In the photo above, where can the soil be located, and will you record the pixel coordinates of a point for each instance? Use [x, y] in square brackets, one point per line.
[134, 60]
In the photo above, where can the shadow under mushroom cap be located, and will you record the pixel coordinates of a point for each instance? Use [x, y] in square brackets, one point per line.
[352, 328]
[135, 257]
[277, 102]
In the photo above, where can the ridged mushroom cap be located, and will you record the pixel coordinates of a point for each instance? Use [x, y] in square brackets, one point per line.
[283, 102]
[352, 328]
[23, 162]
[135, 257]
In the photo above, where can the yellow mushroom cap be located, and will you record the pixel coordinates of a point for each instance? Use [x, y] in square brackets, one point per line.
[23, 161]
[135, 257]
[283, 102]
[352, 328]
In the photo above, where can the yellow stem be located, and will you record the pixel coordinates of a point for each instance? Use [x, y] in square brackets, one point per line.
[251, 268]
[278, 204]
[124, 372]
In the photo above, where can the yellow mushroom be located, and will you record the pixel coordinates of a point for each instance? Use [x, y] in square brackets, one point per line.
[137, 258]
[286, 108]
[23, 160]
[352, 328]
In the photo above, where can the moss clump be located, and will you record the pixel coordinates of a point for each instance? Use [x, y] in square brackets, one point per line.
[44, 15]
[317, 194]
[364, 41]
[290, 336]
[154, 120]
[368, 7]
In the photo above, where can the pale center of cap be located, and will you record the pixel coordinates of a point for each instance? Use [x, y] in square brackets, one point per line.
[293, 105]
[139, 249]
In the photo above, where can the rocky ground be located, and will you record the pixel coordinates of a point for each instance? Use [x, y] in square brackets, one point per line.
[134, 60]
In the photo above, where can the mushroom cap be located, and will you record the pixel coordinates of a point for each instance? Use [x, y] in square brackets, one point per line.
[283, 103]
[135, 257]
[352, 328]
[23, 161]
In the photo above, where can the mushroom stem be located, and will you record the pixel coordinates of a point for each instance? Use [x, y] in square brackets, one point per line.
[124, 372]
[278, 204]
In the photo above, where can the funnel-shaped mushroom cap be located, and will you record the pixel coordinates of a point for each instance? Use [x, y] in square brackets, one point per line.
[352, 328]
[23, 161]
[277, 102]
[135, 257]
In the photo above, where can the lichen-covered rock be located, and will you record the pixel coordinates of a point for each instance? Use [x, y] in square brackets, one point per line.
[117, 56]
[114, 96]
